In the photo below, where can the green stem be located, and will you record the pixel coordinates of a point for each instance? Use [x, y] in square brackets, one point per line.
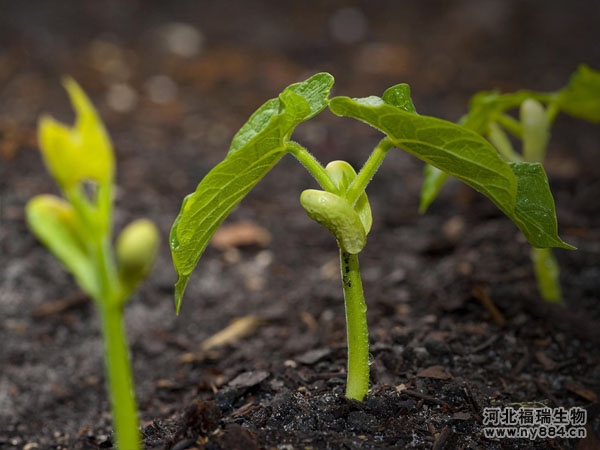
[120, 381]
[358, 186]
[547, 274]
[356, 326]
[313, 166]
[511, 125]
[116, 355]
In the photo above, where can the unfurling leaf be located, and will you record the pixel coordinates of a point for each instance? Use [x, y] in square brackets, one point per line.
[79, 153]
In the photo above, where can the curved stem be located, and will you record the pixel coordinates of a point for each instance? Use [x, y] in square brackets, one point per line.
[313, 166]
[358, 186]
[547, 274]
[356, 327]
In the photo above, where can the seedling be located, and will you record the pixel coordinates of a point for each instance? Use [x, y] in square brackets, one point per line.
[519, 189]
[77, 230]
[488, 116]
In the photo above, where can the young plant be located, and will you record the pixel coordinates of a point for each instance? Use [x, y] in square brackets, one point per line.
[488, 116]
[77, 230]
[519, 189]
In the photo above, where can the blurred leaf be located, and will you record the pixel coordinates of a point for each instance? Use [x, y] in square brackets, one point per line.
[55, 224]
[581, 98]
[79, 153]
[433, 180]
[255, 149]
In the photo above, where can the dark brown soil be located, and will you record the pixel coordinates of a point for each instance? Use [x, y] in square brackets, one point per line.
[440, 352]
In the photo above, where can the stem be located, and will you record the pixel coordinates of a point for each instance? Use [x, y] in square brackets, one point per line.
[313, 166]
[356, 327]
[358, 186]
[511, 125]
[547, 274]
[120, 382]
[116, 355]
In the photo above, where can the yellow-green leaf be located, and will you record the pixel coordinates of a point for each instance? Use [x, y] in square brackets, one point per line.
[78, 153]
[54, 222]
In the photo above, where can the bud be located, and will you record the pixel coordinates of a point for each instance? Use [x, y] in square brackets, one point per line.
[536, 130]
[342, 174]
[136, 251]
[336, 214]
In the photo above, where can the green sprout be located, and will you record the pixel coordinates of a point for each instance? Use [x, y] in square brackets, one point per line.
[488, 116]
[519, 189]
[77, 230]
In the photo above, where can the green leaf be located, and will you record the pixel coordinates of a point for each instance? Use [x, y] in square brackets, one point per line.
[254, 150]
[433, 180]
[581, 97]
[462, 153]
[534, 210]
[54, 222]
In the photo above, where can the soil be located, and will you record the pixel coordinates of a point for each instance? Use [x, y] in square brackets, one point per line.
[456, 324]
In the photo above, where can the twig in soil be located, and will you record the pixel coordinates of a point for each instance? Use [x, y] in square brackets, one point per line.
[60, 305]
[442, 438]
[480, 293]
[486, 343]
[427, 398]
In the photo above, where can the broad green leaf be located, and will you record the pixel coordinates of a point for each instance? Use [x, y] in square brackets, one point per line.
[78, 153]
[581, 97]
[460, 152]
[255, 149]
[433, 180]
[55, 223]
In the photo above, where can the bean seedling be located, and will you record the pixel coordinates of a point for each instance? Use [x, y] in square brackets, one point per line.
[77, 230]
[488, 116]
[519, 189]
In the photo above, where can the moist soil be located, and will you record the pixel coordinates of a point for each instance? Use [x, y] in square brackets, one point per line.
[456, 323]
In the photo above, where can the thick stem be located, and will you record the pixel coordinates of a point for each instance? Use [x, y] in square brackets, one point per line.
[358, 186]
[313, 166]
[356, 325]
[547, 274]
[120, 381]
